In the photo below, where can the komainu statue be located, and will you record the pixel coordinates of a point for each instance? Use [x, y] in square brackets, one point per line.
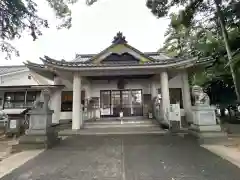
[200, 97]
[42, 103]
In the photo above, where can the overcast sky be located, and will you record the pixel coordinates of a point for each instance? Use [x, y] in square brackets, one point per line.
[93, 30]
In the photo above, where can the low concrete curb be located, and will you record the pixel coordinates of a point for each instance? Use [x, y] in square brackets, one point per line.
[230, 154]
[110, 133]
[9, 164]
[113, 131]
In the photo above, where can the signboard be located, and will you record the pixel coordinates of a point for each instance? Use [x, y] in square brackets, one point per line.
[174, 112]
[13, 124]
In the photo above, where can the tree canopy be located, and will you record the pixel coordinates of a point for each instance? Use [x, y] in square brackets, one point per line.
[195, 31]
[17, 16]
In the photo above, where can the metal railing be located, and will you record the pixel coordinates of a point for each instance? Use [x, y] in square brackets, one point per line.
[89, 114]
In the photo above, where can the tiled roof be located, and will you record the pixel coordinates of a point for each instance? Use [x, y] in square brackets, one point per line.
[154, 55]
[169, 62]
[29, 63]
[83, 57]
[11, 69]
[158, 56]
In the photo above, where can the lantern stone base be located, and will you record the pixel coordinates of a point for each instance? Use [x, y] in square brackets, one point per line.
[205, 126]
[38, 139]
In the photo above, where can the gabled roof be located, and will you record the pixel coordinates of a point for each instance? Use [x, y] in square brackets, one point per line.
[119, 43]
[113, 57]
[157, 56]
[119, 39]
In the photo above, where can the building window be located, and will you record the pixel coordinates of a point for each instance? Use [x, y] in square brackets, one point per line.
[19, 99]
[67, 98]
[175, 96]
[14, 100]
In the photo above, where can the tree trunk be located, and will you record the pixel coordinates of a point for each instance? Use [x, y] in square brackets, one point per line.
[226, 41]
[237, 74]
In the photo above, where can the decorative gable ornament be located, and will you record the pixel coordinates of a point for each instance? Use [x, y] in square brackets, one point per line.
[124, 58]
[119, 39]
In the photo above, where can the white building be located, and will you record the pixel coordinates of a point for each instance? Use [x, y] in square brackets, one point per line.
[119, 78]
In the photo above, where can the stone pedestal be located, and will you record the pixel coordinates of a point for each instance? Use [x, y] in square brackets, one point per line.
[41, 133]
[205, 126]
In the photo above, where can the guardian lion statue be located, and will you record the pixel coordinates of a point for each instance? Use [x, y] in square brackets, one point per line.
[200, 97]
[42, 103]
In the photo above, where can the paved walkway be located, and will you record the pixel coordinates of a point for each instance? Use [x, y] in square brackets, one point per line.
[126, 157]
[5, 147]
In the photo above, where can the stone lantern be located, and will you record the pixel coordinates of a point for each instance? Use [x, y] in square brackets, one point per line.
[41, 133]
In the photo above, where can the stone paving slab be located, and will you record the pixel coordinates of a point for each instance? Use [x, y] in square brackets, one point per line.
[229, 153]
[127, 157]
[6, 147]
[9, 164]
[174, 158]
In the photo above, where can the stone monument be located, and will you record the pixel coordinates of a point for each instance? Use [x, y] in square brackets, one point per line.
[41, 133]
[174, 117]
[204, 124]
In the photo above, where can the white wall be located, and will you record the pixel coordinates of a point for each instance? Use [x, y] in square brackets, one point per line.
[18, 79]
[23, 78]
[96, 86]
[175, 82]
[145, 85]
[65, 115]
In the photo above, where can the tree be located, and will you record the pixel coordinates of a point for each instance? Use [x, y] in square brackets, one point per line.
[204, 40]
[200, 8]
[226, 41]
[17, 16]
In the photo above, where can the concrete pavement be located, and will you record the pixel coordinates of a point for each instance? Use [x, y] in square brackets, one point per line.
[127, 157]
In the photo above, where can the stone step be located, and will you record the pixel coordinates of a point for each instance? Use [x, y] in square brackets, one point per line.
[137, 118]
[120, 122]
[128, 125]
[113, 124]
